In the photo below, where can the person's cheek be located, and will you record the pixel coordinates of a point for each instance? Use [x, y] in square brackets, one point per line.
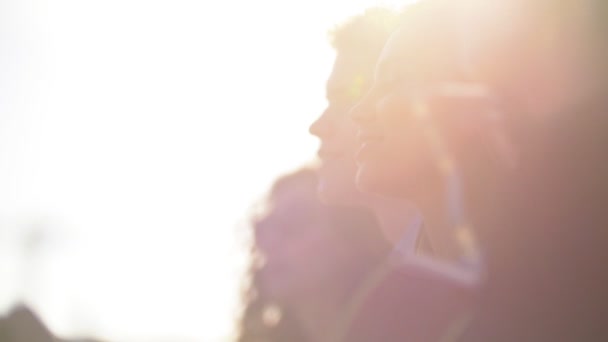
[394, 106]
[401, 128]
[346, 134]
[473, 123]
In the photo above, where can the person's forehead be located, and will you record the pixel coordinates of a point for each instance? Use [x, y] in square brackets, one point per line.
[396, 41]
[394, 50]
[349, 69]
[420, 53]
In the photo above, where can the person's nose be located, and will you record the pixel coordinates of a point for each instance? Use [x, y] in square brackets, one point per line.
[322, 126]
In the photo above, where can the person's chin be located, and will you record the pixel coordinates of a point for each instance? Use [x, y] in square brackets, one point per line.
[366, 180]
[373, 179]
[337, 192]
[336, 185]
[370, 177]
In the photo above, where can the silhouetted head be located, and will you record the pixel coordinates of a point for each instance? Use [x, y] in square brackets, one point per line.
[309, 253]
[357, 43]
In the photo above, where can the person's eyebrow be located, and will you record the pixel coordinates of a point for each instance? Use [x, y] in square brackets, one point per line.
[385, 69]
[336, 93]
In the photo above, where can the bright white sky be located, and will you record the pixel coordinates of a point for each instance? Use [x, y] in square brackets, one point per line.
[135, 134]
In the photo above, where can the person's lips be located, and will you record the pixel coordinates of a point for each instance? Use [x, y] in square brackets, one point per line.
[367, 140]
[326, 154]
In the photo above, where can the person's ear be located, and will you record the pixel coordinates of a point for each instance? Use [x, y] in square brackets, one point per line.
[469, 118]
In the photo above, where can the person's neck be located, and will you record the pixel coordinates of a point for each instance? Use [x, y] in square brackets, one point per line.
[317, 315]
[397, 218]
[433, 206]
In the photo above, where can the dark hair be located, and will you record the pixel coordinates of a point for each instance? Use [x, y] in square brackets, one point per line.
[360, 233]
[364, 35]
[547, 231]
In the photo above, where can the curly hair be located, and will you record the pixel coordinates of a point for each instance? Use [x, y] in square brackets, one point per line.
[364, 35]
[269, 320]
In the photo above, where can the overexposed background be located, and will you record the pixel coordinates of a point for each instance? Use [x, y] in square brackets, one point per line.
[134, 136]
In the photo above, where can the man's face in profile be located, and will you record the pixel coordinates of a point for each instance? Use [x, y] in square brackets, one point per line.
[337, 133]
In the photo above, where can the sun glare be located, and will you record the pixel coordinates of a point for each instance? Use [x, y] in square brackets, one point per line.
[142, 133]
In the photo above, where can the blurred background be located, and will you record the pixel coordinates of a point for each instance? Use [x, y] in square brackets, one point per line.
[135, 136]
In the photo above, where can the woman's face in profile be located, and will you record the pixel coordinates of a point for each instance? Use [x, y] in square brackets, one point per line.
[302, 252]
[394, 157]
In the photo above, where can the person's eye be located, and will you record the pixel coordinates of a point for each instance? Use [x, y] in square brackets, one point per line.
[395, 100]
[387, 104]
[392, 78]
[384, 85]
[341, 107]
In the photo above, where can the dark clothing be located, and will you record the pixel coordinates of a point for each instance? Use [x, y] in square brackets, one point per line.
[548, 275]
[413, 303]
